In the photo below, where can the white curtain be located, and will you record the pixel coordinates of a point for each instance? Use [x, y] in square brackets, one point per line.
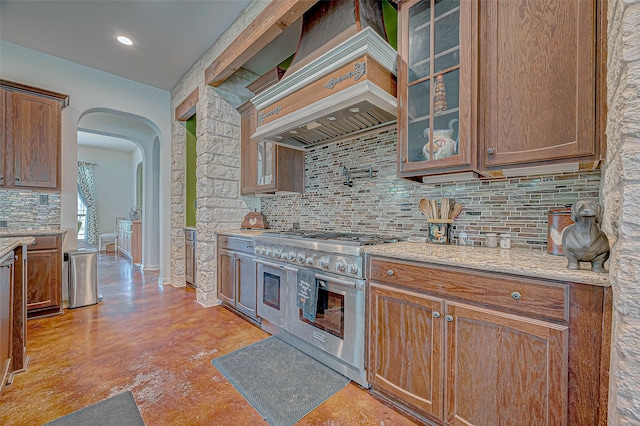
[87, 193]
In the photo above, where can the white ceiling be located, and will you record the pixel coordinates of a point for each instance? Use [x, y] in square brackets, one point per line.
[93, 140]
[169, 35]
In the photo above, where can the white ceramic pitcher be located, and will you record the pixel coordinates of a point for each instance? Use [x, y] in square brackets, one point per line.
[443, 145]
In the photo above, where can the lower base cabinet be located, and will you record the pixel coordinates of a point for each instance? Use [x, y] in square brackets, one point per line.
[190, 257]
[237, 275]
[6, 317]
[44, 276]
[130, 239]
[460, 348]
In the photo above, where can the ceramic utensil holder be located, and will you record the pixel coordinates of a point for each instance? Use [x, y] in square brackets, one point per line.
[440, 231]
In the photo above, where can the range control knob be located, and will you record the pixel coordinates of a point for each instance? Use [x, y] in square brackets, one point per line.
[301, 257]
[292, 256]
[268, 251]
[309, 260]
[257, 250]
[284, 255]
[324, 262]
[352, 268]
[340, 265]
[277, 253]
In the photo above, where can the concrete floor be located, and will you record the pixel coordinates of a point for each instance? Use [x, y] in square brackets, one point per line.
[157, 342]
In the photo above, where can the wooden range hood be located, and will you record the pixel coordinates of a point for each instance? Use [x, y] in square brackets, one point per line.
[341, 81]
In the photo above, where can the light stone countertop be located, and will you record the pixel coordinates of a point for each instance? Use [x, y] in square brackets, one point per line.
[9, 243]
[530, 263]
[240, 232]
[31, 232]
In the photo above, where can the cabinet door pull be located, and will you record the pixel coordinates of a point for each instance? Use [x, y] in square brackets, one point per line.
[491, 151]
[436, 314]
[449, 318]
[516, 295]
[390, 272]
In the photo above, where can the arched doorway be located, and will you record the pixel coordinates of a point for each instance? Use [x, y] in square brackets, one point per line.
[116, 125]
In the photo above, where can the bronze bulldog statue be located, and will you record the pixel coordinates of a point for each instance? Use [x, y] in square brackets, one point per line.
[583, 241]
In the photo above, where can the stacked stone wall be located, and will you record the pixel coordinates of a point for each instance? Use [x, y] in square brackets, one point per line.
[219, 205]
[621, 197]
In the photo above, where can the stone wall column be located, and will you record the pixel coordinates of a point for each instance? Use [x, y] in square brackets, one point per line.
[621, 197]
[217, 187]
[178, 144]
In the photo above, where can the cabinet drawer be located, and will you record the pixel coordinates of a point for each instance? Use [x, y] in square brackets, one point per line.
[47, 242]
[235, 243]
[533, 297]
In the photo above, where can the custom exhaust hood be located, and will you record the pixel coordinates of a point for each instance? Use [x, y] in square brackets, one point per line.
[340, 83]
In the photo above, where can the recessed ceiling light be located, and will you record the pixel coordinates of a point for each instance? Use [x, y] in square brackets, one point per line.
[355, 109]
[331, 118]
[293, 132]
[125, 40]
[278, 137]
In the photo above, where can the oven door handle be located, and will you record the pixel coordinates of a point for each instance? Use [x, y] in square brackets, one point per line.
[336, 280]
[275, 265]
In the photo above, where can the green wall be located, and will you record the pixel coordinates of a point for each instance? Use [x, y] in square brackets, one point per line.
[190, 178]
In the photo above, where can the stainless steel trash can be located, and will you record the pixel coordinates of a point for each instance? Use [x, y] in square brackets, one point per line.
[83, 278]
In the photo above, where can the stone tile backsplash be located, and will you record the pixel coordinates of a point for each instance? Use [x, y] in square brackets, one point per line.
[388, 205]
[28, 210]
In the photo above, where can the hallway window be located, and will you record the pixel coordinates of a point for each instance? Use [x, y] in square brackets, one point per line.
[82, 218]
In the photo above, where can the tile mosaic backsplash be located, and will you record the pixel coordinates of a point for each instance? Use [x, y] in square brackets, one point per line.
[387, 205]
[28, 210]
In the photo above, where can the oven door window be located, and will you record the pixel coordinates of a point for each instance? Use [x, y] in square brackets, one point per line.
[271, 290]
[329, 311]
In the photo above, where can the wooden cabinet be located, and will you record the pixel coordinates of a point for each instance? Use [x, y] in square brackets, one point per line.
[44, 276]
[237, 275]
[458, 347]
[266, 168]
[190, 256]
[504, 369]
[437, 55]
[484, 86]
[539, 78]
[6, 318]
[130, 239]
[31, 143]
[4, 131]
[405, 348]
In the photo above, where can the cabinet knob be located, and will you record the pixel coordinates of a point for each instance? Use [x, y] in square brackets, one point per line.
[390, 272]
[436, 314]
[17, 179]
[449, 318]
[516, 295]
[491, 151]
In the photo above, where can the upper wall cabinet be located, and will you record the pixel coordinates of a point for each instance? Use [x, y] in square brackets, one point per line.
[31, 142]
[266, 168]
[539, 82]
[489, 85]
[436, 86]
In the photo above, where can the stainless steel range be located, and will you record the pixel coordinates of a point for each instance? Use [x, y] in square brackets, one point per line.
[311, 293]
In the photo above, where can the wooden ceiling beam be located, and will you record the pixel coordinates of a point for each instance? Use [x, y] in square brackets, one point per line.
[270, 23]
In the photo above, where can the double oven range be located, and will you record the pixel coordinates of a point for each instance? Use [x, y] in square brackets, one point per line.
[332, 263]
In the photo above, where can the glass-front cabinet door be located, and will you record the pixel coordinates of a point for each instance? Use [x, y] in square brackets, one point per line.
[434, 86]
[265, 166]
